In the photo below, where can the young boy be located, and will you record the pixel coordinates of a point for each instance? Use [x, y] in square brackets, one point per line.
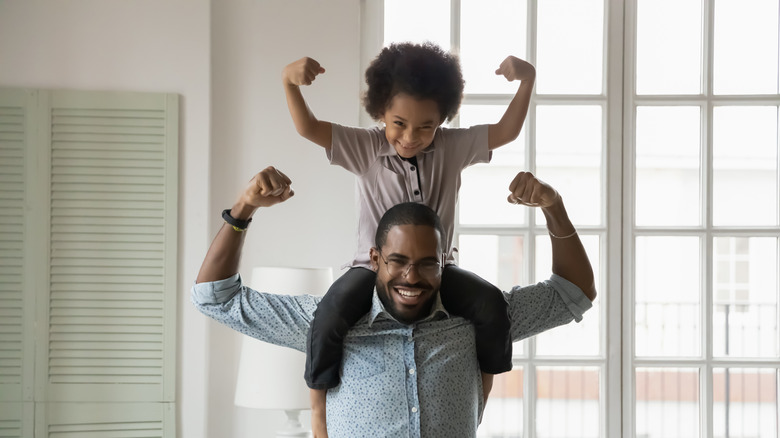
[412, 90]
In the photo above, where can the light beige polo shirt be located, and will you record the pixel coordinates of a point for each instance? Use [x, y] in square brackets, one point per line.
[384, 179]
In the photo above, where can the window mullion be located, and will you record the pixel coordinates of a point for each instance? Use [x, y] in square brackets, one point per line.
[455, 26]
[707, 253]
[530, 128]
[627, 269]
[613, 177]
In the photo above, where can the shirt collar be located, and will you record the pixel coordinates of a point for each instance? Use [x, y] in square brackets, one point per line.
[378, 310]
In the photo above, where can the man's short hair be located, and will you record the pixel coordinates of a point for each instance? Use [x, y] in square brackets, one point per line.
[407, 213]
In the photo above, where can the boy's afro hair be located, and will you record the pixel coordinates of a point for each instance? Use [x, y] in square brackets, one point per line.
[423, 71]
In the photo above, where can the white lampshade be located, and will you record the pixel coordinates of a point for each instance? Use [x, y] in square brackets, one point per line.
[269, 376]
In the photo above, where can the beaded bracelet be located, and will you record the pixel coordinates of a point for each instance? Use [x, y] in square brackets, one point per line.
[562, 237]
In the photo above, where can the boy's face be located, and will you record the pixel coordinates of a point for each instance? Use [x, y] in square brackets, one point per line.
[408, 292]
[410, 124]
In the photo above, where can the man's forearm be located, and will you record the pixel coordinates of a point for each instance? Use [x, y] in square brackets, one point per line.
[570, 260]
[224, 254]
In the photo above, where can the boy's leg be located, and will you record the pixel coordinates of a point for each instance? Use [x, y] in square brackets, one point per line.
[470, 296]
[347, 300]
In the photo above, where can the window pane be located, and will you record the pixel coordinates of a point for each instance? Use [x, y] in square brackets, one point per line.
[512, 154]
[490, 31]
[668, 52]
[667, 314]
[429, 21]
[745, 60]
[745, 402]
[573, 339]
[745, 301]
[668, 166]
[503, 416]
[567, 402]
[499, 260]
[569, 47]
[483, 193]
[667, 402]
[745, 165]
[569, 156]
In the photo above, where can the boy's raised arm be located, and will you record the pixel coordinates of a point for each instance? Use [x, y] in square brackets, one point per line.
[303, 72]
[508, 128]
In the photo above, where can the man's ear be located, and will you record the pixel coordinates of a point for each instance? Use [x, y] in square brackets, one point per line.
[374, 255]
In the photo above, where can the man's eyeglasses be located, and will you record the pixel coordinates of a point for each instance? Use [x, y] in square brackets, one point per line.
[425, 268]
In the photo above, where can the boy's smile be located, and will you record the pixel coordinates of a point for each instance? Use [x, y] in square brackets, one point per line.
[410, 124]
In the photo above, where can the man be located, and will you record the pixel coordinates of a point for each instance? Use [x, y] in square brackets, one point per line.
[409, 368]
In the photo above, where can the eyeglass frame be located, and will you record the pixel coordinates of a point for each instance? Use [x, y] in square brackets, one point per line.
[408, 267]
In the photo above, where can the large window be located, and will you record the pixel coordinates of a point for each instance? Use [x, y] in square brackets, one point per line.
[657, 120]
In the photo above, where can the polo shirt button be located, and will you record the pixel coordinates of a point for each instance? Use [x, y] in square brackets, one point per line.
[416, 193]
[414, 409]
[412, 168]
[411, 371]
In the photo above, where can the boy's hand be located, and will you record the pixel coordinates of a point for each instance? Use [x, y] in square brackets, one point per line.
[301, 72]
[529, 190]
[514, 69]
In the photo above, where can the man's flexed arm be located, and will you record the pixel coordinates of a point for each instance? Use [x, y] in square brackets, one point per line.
[569, 258]
[265, 189]
[303, 72]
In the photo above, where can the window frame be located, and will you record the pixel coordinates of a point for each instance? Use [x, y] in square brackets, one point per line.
[617, 231]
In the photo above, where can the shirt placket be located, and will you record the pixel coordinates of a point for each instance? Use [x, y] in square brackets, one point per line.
[413, 181]
[412, 396]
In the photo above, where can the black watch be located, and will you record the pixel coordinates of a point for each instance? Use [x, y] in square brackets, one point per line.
[238, 224]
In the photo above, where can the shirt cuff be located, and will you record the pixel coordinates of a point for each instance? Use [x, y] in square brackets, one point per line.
[216, 292]
[575, 299]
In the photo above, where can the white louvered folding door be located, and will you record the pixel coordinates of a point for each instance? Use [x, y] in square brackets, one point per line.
[101, 197]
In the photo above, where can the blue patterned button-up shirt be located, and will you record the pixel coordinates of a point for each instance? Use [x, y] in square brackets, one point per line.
[420, 380]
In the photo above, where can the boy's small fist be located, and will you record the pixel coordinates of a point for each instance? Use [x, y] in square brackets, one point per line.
[302, 71]
[513, 69]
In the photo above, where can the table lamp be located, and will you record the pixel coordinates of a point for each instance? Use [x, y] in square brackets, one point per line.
[269, 376]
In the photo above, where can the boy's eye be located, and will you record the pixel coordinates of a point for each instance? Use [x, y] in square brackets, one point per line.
[398, 123]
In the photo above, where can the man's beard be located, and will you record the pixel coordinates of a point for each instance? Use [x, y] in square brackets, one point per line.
[384, 290]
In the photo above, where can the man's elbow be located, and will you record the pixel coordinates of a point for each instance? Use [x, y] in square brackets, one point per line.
[589, 290]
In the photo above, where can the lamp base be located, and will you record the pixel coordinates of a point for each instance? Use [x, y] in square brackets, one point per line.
[293, 428]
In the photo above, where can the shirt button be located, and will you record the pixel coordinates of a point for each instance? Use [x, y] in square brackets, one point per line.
[412, 168]
[416, 193]
[414, 409]
[411, 371]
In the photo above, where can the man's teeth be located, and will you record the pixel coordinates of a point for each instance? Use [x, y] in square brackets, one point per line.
[408, 293]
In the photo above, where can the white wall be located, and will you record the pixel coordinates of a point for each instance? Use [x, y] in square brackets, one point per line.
[224, 58]
[251, 128]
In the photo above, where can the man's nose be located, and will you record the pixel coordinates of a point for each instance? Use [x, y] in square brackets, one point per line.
[411, 273]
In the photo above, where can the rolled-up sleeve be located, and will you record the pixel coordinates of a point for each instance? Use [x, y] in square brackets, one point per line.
[545, 305]
[278, 319]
